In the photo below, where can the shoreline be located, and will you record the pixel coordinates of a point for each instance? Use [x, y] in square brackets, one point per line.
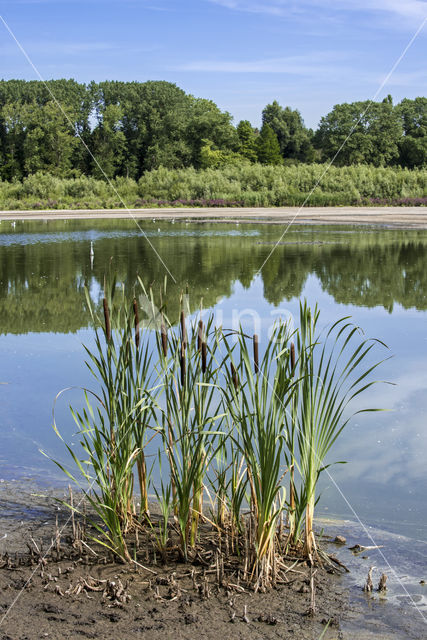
[394, 217]
[57, 608]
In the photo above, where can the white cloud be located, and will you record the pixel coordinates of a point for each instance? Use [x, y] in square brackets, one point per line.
[57, 48]
[296, 65]
[274, 7]
[403, 8]
[409, 79]
[81, 47]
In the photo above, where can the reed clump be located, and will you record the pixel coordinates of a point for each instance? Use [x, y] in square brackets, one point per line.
[237, 433]
[247, 185]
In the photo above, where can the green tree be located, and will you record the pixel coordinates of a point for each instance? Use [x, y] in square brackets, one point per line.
[413, 146]
[268, 148]
[247, 140]
[294, 138]
[214, 158]
[12, 136]
[108, 143]
[207, 122]
[360, 132]
[50, 139]
[154, 123]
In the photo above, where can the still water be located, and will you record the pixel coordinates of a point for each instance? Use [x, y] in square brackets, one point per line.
[376, 275]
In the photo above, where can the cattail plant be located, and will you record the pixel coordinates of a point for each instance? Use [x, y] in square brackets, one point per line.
[257, 409]
[296, 501]
[112, 435]
[139, 372]
[331, 373]
[230, 422]
[187, 419]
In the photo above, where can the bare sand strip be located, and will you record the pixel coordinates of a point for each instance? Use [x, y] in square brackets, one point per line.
[398, 217]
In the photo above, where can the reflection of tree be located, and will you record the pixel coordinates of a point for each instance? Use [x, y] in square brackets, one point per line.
[42, 284]
[378, 275]
[285, 273]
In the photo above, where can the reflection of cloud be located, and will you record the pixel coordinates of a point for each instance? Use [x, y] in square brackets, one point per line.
[388, 447]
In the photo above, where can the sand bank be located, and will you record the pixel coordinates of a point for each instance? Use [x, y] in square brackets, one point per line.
[397, 217]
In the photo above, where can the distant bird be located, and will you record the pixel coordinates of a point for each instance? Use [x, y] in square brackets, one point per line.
[13, 224]
[158, 230]
[92, 252]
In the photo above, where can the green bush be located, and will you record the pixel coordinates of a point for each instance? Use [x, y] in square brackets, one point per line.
[252, 185]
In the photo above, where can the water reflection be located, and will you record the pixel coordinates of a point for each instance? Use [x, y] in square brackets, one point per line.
[376, 275]
[42, 274]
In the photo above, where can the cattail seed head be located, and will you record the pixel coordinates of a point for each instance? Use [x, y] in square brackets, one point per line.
[182, 364]
[234, 376]
[164, 337]
[183, 330]
[292, 358]
[204, 355]
[256, 354]
[107, 320]
[136, 314]
[200, 336]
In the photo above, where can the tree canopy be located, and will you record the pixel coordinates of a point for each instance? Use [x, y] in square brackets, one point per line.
[129, 128]
[294, 138]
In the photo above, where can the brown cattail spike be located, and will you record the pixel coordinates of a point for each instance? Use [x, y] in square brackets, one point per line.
[164, 337]
[182, 364]
[183, 330]
[200, 336]
[204, 354]
[256, 355]
[136, 314]
[107, 320]
[292, 358]
[234, 376]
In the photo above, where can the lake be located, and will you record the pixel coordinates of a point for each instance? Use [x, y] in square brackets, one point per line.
[376, 275]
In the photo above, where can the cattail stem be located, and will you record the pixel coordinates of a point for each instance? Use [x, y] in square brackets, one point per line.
[136, 314]
[292, 504]
[204, 356]
[142, 476]
[107, 320]
[256, 355]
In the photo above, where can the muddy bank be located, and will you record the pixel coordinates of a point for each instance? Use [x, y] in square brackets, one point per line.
[67, 591]
[394, 217]
[72, 599]
[69, 594]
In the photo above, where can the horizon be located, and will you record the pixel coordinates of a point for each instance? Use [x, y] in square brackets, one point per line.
[304, 55]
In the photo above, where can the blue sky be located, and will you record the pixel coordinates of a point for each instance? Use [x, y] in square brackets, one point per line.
[308, 54]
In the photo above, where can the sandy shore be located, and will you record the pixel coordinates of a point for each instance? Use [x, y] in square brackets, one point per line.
[397, 217]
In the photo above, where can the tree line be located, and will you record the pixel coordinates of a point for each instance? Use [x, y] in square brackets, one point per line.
[128, 128]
